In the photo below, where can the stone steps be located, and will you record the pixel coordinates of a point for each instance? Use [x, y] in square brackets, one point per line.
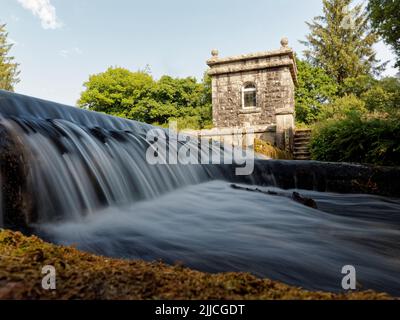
[301, 149]
[301, 140]
[303, 132]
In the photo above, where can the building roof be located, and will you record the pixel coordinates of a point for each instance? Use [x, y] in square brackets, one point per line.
[283, 57]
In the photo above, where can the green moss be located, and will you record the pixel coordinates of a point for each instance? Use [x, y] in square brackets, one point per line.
[85, 276]
[267, 149]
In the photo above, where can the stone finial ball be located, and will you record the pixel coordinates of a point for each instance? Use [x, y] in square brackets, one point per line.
[214, 53]
[285, 42]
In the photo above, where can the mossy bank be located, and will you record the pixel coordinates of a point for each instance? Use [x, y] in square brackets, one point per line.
[85, 276]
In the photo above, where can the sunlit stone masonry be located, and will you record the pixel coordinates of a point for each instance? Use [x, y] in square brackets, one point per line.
[255, 91]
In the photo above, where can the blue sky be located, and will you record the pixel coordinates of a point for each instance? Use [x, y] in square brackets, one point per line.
[59, 43]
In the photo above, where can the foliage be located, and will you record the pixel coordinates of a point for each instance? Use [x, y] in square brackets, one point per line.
[391, 86]
[116, 91]
[8, 68]
[356, 138]
[378, 95]
[341, 107]
[377, 99]
[315, 88]
[385, 17]
[341, 41]
[361, 127]
[137, 96]
[270, 151]
[357, 86]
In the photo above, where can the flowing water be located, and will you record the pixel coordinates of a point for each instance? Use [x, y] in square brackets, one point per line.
[92, 186]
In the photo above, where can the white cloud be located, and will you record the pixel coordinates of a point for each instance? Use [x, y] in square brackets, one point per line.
[66, 53]
[44, 10]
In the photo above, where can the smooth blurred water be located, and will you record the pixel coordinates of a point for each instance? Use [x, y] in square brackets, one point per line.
[212, 227]
[75, 170]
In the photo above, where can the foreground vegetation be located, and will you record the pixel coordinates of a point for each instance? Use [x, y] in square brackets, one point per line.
[85, 276]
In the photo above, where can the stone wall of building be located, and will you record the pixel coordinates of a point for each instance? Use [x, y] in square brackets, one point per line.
[274, 75]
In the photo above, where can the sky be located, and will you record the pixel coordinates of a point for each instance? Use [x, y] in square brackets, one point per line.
[59, 43]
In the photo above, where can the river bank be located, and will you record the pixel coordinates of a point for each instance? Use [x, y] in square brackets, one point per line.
[85, 276]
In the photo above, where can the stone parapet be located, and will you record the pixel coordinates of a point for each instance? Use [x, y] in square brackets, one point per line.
[254, 61]
[236, 136]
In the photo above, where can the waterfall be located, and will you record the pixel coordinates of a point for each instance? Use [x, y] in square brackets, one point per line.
[80, 161]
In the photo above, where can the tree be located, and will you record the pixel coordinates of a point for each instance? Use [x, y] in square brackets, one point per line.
[378, 95]
[385, 17]
[315, 88]
[341, 41]
[383, 96]
[116, 91]
[8, 68]
[137, 96]
[357, 86]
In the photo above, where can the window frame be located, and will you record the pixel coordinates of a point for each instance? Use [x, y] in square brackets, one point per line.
[246, 89]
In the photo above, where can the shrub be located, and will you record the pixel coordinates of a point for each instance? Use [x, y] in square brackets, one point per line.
[355, 138]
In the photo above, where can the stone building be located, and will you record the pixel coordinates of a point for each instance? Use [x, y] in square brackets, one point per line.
[255, 91]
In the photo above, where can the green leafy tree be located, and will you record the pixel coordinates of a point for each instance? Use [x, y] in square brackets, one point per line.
[383, 96]
[392, 84]
[341, 41]
[357, 86]
[378, 95]
[116, 91]
[8, 68]
[135, 95]
[181, 92]
[385, 17]
[207, 89]
[315, 89]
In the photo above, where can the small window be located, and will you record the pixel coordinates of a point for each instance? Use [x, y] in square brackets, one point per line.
[249, 96]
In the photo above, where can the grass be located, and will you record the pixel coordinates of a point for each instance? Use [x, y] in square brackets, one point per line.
[86, 276]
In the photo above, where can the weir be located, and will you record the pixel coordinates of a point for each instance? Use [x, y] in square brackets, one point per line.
[61, 161]
[76, 176]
